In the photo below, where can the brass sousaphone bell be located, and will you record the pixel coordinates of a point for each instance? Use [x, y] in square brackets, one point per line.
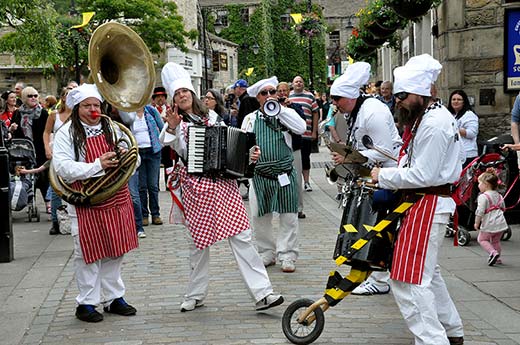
[123, 71]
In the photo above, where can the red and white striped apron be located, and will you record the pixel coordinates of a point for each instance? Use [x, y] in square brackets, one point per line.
[412, 241]
[107, 229]
[213, 208]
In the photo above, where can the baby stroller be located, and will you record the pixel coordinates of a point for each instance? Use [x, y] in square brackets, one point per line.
[22, 193]
[466, 193]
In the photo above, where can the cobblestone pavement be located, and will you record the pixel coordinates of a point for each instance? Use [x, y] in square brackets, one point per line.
[156, 275]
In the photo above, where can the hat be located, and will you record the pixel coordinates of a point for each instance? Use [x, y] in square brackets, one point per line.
[175, 77]
[240, 83]
[348, 84]
[254, 89]
[159, 91]
[417, 75]
[82, 92]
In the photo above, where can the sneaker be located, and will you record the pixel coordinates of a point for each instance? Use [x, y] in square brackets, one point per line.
[190, 304]
[120, 307]
[146, 222]
[368, 288]
[288, 266]
[456, 340]
[307, 187]
[301, 215]
[269, 301]
[156, 221]
[88, 313]
[493, 258]
[141, 234]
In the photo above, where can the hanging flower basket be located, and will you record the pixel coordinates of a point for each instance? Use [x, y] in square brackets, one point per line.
[370, 40]
[357, 48]
[412, 9]
[380, 20]
[310, 25]
[379, 31]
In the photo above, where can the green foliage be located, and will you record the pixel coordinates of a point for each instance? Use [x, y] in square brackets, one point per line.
[283, 52]
[358, 50]
[377, 11]
[41, 35]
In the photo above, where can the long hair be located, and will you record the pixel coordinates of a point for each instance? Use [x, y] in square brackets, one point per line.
[79, 136]
[465, 107]
[219, 107]
[197, 106]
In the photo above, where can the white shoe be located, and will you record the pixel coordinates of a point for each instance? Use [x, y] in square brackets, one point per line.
[269, 301]
[288, 266]
[368, 288]
[268, 261]
[141, 234]
[307, 187]
[190, 304]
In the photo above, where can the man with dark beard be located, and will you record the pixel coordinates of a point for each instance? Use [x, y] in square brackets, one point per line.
[429, 160]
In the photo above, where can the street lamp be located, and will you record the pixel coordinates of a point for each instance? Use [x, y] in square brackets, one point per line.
[218, 27]
[349, 21]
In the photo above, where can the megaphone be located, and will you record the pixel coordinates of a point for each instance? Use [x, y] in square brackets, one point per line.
[271, 108]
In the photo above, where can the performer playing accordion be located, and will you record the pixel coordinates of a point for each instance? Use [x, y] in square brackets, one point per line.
[213, 206]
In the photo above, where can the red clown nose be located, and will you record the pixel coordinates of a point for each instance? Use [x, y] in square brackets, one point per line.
[94, 114]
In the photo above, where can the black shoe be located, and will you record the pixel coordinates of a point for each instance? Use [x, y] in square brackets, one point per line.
[120, 307]
[88, 313]
[55, 230]
[456, 340]
[301, 215]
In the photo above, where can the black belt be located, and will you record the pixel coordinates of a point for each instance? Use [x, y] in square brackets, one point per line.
[443, 190]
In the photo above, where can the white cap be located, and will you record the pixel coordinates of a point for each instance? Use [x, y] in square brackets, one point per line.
[175, 77]
[417, 75]
[254, 89]
[349, 83]
[82, 92]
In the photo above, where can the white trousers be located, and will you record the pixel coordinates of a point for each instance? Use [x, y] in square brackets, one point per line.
[98, 282]
[297, 164]
[379, 278]
[286, 245]
[428, 310]
[249, 264]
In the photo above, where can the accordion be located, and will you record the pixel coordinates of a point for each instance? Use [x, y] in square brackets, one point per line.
[219, 151]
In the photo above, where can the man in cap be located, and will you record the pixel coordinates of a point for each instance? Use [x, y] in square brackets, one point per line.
[246, 104]
[366, 116]
[275, 187]
[103, 233]
[430, 161]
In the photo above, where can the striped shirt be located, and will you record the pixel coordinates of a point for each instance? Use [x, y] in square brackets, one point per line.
[308, 102]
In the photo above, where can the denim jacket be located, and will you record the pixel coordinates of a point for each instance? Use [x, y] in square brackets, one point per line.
[155, 126]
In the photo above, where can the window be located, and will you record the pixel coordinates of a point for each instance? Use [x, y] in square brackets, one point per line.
[223, 16]
[244, 14]
[334, 39]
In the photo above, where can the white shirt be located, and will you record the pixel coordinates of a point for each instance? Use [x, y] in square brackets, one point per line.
[375, 120]
[140, 132]
[434, 161]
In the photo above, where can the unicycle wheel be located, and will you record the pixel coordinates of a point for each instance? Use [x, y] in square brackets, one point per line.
[305, 332]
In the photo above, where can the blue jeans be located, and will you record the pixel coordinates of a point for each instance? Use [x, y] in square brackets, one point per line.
[55, 203]
[133, 185]
[149, 171]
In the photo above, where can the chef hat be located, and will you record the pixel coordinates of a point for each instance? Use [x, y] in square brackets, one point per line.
[417, 75]
[254, 89]
[82, 92]
[175, 77]
[349, 83]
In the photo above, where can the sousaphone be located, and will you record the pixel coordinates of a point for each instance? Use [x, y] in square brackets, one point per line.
[123, 71]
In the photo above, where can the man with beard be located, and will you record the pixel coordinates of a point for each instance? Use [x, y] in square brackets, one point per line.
[429, 161]
[366, 115]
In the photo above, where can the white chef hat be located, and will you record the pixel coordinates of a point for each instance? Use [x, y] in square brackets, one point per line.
[175, 77]
[417, 75]
[349, 83]
[254, 89]
[82, 92]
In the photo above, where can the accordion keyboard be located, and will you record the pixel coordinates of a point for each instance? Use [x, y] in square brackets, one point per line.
[196, 149]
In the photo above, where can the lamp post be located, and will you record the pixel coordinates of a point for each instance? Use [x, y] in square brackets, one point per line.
[218, 26]
[6, 225]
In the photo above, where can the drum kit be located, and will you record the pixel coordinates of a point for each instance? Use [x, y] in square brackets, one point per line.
[361, 244]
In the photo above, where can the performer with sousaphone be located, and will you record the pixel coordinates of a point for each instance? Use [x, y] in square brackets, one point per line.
[92, 162]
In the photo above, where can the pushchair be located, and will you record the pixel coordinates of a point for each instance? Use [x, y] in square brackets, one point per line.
[22, 187]
[466, 192]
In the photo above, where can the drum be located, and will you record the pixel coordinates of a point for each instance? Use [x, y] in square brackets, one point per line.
[376, 254]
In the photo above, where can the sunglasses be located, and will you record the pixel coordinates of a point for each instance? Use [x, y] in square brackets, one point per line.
[265, 92]
[401, 95]
[208, 98]
[32, 96]
[335, 98]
